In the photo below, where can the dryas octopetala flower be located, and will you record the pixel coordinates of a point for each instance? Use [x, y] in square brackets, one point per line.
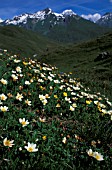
[44, 102]
[14, 77]
[3, 81]
[42, 119]
[3, 97]
[42, 97]
[72, 108]
[90, 152]
[31, 147]
[98, 156]
[8, 143]
[58, 105]
[28, 102]
[27, 82]
[18, 69]
[4, 108]
[19, 97]
[16, 61]
[64, 140]
[23, 122]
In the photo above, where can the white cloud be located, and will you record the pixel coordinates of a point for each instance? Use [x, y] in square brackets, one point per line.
[1, 20]
[110, 0]
[91, 17]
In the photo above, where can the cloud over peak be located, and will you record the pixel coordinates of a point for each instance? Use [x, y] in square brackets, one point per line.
[91, 17]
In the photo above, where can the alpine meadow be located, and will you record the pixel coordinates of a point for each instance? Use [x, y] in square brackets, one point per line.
[55, 92]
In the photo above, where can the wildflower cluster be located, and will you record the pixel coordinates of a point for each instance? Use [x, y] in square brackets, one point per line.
[52, 115]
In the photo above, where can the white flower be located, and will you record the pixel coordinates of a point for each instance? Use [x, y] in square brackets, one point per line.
[16, 61]
[76, 88]
[3, 97]
[50, 78]
[64, 140]
[3, 81]
[42, 120]
[19, 97]
[72, 108]
[109, 103]
[4, 108]
[56, 81]
[41, 97]
[74, 105]
[31, 147]
[42, 75]
[72, 93]
[18, 69]
[102, 105]
[8, 143]
[40, 80]
[27, 82]
[20, 148]
[98, 156]
[23, 122]
[96, 102]
[44, 102]
[90, 152]
[14, 77]
[28, 102]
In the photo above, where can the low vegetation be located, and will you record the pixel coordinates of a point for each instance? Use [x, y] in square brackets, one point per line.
[80, 60]
[50, 120]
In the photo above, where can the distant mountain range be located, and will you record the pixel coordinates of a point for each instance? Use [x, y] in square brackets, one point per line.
[67, 27]
[105, 20]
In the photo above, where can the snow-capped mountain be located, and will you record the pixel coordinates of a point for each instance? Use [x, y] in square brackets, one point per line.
[62, 27]
[38, 16]
[105, 20]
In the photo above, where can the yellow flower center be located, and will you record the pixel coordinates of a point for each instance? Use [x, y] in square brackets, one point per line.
[65, 94]
[97, 157]
[30, 149]
[23, 123]
[44, 137]
[3, 109]
[7, 143]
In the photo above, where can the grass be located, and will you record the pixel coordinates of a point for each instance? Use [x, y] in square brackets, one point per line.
[49, 120]
[23, 42]
[79, 59]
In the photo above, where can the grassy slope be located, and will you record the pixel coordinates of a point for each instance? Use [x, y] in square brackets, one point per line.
[79, 59]
[23, 41]
[63, 135]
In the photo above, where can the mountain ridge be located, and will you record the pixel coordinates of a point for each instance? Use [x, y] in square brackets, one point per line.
[67, 27]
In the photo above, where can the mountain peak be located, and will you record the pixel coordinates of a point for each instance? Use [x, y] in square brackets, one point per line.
[68, 12]
[47, 10]
[106, 20]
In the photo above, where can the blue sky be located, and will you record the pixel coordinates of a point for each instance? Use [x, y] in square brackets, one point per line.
[11, 8]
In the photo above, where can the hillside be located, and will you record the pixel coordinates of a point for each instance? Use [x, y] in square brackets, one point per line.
[49, 120]
[22, 41]
[79, 59]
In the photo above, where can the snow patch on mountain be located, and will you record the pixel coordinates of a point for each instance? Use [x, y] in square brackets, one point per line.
[39, 15]
[91, 17]
[68, 12]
